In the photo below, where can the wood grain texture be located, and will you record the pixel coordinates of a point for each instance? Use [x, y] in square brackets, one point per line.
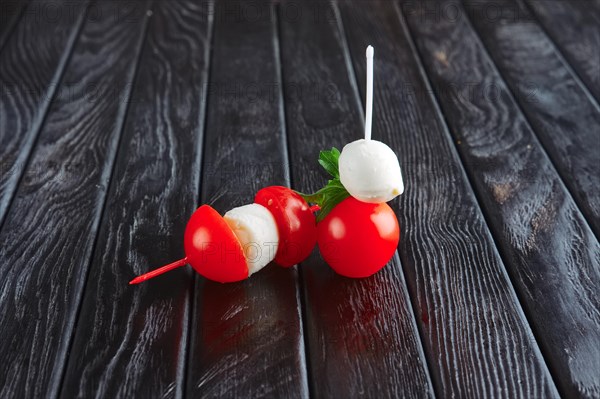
[131, 341]
[575, 27]
[476, 337]
[566, 120]
[49, 231]
[550, 251]
[31, 66]
[10, 13]
[361, 335]
[247, 336]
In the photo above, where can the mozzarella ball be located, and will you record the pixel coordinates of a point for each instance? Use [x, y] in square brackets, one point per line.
[370, 171]
[256, 229]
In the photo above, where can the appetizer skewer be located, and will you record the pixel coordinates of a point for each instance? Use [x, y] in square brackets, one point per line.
[357, 232]
[278, 226]
[369, 169]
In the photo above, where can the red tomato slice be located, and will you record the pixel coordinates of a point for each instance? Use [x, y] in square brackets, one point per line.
[296, 223]
[357, 238]
[212, 248]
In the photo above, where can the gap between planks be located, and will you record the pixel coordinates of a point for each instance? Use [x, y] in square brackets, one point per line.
[300, 294]
[184, 368]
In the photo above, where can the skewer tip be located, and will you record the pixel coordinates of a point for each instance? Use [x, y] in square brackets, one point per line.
[135, 281]
[370, 51]
[159, 271]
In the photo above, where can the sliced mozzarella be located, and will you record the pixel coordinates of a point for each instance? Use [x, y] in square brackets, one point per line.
[256, 229]
[370, 171]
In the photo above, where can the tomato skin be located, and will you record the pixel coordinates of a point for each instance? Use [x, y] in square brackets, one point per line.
[212, 248]
[357, 239]
[296, 223]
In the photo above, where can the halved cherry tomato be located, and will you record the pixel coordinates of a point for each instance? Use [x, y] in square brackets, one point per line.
[296, 223]
[212, 248]
[357, 238]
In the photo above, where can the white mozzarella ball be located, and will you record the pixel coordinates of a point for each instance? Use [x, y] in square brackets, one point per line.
[370, 171]
[256, 229]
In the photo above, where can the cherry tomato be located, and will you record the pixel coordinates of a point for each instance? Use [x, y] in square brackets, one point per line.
[296, 223]
[357, 238]
[212, 249]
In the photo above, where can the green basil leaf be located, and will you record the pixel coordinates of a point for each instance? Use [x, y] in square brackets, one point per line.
[334, 191]
[329, 161]
[327, 197]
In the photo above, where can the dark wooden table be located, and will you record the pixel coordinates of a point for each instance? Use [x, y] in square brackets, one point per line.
[118, 118]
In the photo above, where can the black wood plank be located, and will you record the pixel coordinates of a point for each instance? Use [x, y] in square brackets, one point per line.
[475, 334]
[10, 13]
[561, 112]
[247, 336]
[131, 340]
[550, 251]
[32, 63]
[575, 27]
[49, 231]
[361, 334]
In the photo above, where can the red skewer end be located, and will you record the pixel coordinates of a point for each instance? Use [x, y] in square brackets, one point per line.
[137, 280]
[315, 208]
[159, 271]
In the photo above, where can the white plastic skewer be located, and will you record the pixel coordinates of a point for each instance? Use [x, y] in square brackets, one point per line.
[369, 105]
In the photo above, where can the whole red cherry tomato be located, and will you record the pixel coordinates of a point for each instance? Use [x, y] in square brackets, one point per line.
[295, 220]
[357, 238]
[212, 248]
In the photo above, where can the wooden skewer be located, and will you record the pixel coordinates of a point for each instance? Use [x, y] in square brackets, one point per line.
[159, 271]
[369, 104]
